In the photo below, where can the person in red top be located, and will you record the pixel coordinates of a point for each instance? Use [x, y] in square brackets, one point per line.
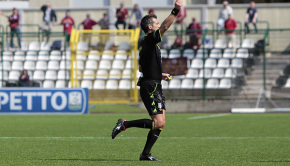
[194, 32]
[14, 29]
[230, 26]
[121, 15]
[68, 23]
[88, 23]
[179, 24]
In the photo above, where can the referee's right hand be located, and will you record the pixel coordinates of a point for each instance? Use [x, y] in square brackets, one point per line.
[178, 4]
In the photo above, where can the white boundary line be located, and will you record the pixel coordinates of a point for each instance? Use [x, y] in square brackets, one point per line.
[208, 116]
[109, 138]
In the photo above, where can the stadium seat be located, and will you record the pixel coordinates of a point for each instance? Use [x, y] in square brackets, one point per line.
[5, 75]
[215, 53]
[163, 53]
[108, 55]
[121, 55]
[200, 53]
[192, 73]
[6, 65]
[118, 64]
[124, 45]
[287, 85]
[91, 65]
[242, 53]
[105, 64]
[81, 55]
[210, 63]
[208, 44]
[207, 73]
[188, 53]
[53, 65]
[174, 53]
[60, 84]
[248, 43]
[237, 44]
[65, 64]
[66, 55]
[44, 46]
[48, 84]
[43, 56]
[212, 84]
[237, 63]
[77, 84]
[31, 56]
[19, 56]
[197, 63]
[13, 75]
[115, 74]
[50, 75]
[220, 44]
[164, 84]
[41, 65]
[187, 84]
[89, 75]
[38, 75]
[218, 73]
[126, 74]
[112, 85]
[24, 46]
[174, 84]
[230, 73]
[17, 65]
[7, 56]
[198, 84]
[80, 65]
[55, 55]
[63, 74]
[87, 84]
[99, 84]
[109, 45]
[94, 55]
[128, 64]
[223, 63]
[29, 65]
[102, 74]
[124, 84]
[34, 46]
[225, 83]
[82, 46]
[229, 53]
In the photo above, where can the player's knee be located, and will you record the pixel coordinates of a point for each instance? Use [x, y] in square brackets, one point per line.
[159, 124]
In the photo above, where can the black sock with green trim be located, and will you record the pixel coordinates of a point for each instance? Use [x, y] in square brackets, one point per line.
[151, 139]
[141, 123]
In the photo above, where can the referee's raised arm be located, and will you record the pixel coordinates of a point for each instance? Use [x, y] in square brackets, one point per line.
[170, 19]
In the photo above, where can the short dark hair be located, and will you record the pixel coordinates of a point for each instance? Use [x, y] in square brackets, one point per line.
[147, 20]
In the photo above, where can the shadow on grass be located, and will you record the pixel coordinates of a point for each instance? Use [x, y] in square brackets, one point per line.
[89, 160]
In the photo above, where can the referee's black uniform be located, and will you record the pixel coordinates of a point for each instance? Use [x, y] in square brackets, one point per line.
[150, 61]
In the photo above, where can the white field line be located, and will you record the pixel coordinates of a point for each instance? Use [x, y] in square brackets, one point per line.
[208, 116]
[109, 138]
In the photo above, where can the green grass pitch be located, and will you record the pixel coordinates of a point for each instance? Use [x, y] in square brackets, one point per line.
[188, 139]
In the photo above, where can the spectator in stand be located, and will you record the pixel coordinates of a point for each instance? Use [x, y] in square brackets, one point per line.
[88, 24]
[68, 23]
[151, 11]
[138, 15]
[230, 26]
[121, 15]
[179, 23]
[14, 29]
[223, 14]
[251, 17]
[49, 19]
[194, 32]
[24, 79]
[104, 24]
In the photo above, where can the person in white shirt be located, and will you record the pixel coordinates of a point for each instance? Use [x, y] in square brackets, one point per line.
[223, 14]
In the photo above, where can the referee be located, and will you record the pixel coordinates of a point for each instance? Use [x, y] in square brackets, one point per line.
[150, 86]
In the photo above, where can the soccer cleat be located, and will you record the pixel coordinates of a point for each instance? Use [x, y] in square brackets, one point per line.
[148, 157]
[118, 128]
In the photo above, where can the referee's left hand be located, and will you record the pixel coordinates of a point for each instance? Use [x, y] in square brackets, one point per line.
[166, 76]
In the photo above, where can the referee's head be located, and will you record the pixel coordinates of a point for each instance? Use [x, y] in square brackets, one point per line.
[149, 23]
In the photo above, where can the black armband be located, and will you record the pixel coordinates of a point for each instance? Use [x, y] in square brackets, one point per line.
[174, 11]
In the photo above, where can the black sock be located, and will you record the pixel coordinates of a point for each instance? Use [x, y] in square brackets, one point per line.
[151, 139]
[142, 123]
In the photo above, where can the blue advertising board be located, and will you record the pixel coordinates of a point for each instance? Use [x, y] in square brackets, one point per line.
[44, 100]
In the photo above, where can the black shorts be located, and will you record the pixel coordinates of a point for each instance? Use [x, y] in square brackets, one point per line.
[152, 97]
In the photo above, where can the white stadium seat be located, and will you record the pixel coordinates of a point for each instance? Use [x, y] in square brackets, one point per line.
[215, 53]
[210, 63]
[126, 74]
[43, 55]
[188, 53]
[81, 55]
[89, 75]
[223, 63]
[287, 85]
[105, 64]
[242, 53]
[19, 56]
[6, 66]
[112, 85]
[207, 73]
[225, 83]
[187, 84]
[24, 46]
[7, 56]
[17, 65]
[5, 75]
[63, 74]
[41, 65]
[55, 55]
[108, 55]
[50, 75]
[124, 84]
[91, 65]
[174, 84]
[94, 55]
[218, 73]
[124, 45]
[87, 84]
[201, 53]
[99, 84]
[31, 56]
[60, 84]
[109, 45]
[65, 64]
[44, 46]
[29, 65]
[229, 53]
[174, 53]
[80, 65]
[34, 46]
[220, 43]
[198, 84]
[48, 84]
[212, 83]
[192, 73]
[121, 55]
[237, 63]
[164, 53]
[102, 74]
[53, 65]
[118, 64]
[14, 75]
[115, 74]
[248, 43]
[230, 73]
[197, 63]
[82, 46]
[38, 75]
[128, 64]
[237, 44]
[164, 84]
